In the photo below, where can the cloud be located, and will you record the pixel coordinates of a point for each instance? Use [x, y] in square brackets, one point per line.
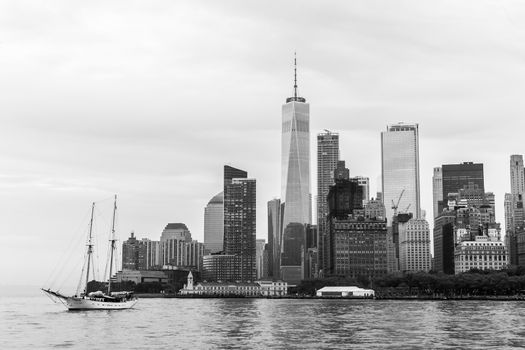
[150, 99]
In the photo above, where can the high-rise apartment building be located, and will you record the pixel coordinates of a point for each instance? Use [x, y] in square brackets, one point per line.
[327, 157]
[400, 169]
[437, 190]
[240, 222]
[131, 249]
[214, 224]
[295, 180]
[181, 253]
[274, 238]
[152, 254]
[140, 254]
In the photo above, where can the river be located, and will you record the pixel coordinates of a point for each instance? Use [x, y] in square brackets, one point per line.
[37, 323]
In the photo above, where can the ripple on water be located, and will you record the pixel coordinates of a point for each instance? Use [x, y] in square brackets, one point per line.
[263, 323]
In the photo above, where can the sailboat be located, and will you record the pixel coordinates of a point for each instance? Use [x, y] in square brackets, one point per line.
[96, 300]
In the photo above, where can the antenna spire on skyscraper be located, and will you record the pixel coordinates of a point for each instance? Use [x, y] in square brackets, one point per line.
[295, 74]
[295, 97]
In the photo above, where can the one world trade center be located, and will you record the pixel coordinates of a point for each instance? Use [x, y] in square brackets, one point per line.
[295, 184]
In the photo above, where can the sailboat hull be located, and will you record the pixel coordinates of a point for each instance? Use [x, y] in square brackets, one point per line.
[94, 304]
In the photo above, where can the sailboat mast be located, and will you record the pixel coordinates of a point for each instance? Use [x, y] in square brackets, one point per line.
[112, 245]
[90, 247]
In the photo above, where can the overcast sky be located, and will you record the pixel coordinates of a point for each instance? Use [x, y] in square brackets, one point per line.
[149, 99]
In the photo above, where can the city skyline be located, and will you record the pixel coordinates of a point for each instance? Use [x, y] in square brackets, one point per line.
[153, 116]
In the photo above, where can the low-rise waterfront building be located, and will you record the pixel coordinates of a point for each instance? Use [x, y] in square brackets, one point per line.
[141, 276]
[273, 288]
[345, 292]
[248, 289]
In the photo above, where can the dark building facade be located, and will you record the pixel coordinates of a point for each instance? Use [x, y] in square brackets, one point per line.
[354, 243]
[240, 222]
[444, 242]
[274, 238]
[231, 173]
[345, 195]
[397, 219]
[457, 176]
[327, 158]
[134, 254]
[220, 268]
[359, 247]
[293, 245]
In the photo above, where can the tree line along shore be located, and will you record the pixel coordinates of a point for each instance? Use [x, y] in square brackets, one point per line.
[507, 284]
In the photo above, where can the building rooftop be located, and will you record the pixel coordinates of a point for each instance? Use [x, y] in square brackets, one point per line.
[228, 284]
[176, 226]
[340, 289]
[218, 199]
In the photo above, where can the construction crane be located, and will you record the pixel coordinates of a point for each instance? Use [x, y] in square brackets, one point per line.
[396, 205]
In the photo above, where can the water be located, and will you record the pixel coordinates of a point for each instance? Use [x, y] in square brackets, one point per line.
[37, 323]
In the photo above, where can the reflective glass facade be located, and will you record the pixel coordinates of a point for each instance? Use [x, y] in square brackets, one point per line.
[274, 238]
[400, 169]
[295, 175]
[214, 224]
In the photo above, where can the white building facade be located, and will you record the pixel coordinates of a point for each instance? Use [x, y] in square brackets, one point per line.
[484, 253]
[255, 289]
[414, 246]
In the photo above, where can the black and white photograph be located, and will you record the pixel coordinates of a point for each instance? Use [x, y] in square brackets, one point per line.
[241, 174]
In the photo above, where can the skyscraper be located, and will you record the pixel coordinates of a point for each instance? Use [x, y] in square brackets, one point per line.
[457, 176]
[327, 157]
[515, 211]
[240, 222]
[400, 169]
[517, 174]
[295, 180]
[414, 246]
[343, 197]
[214, 224]
[259, 257]
[365, 183]
[274, 238]
[437, 190]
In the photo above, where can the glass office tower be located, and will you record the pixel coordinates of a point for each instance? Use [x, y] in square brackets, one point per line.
[295, 182]
[400, 169]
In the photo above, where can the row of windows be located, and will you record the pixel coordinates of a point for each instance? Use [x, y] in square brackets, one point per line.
[482, 257]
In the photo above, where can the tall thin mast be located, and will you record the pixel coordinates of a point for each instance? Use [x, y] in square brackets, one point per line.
[90, 247]
[112, 245]
[295, 75]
